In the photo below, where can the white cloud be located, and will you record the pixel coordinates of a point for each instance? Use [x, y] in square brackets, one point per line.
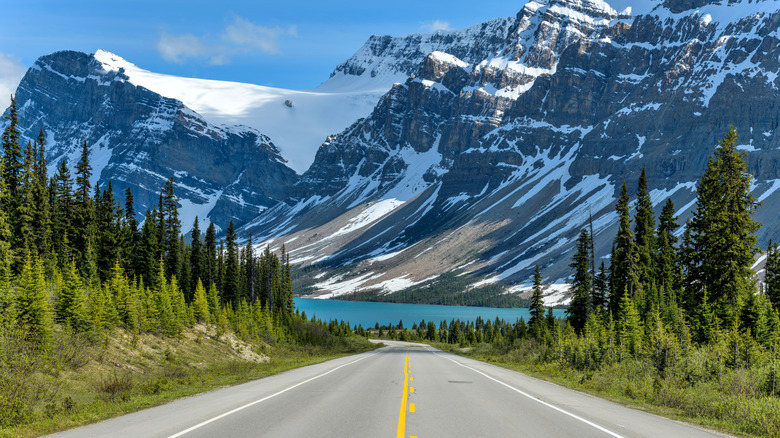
[11, 72]
[177, 48]
[239, 36]
[242, 33]
[435, 26]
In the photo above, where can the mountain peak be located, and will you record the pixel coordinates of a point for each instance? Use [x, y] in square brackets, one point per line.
[112, 61]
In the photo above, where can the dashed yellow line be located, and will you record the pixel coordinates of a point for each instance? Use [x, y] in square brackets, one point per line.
[404, 399]
[411, 389]
[411, 408]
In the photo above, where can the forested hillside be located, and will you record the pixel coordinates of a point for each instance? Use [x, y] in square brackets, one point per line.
[680, 323]
[79, 274]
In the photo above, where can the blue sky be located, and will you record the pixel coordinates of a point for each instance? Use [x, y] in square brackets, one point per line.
[283, 43]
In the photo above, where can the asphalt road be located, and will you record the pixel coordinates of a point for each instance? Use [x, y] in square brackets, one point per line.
[402, 390]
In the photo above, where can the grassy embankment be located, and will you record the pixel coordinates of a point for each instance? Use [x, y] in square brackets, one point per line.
[82, 380]
[698, 391]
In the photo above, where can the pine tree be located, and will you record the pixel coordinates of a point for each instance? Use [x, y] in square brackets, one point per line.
[580, 306]
[623, 277]
[536, 308]
[629, 325]
[32, 305]
[720, 241]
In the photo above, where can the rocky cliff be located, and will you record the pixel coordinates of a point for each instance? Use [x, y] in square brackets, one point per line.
[488, 162]
[138, 139]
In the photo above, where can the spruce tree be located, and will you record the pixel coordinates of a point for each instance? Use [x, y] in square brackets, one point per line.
[644, 230]
[13, 168]
[62, 214]
[83, 211]
[668, 272]
[131, 233]
[536, 308]
[720, 241]
[599, 296]
[42, 217]
[623, 276]
[230, 289]
[209, 270]
[32, 305]
[196, 255]
[170, 228]
[71, 308]
[580, 306]
[772, 274]
[200, 303]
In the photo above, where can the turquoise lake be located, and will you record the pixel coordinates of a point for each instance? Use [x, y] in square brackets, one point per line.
[368, 314]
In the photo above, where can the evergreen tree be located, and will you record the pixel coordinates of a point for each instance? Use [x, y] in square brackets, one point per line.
[32, 305]
[668, 272]
[644, 230]
[196, 256]
[62, 208]
[209, 270]
[42, 216]
[580, 306]
[71, 301]
[23, 238]
[599, 297]
[200, 304]
[536, 308]
[12, 170]
[623, 277]
[170, 228]
[720, 241]
[772, 274]
[131, 233]
[230, 292]
[83, 211]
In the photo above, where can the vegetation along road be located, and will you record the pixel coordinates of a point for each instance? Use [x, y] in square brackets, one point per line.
[403, 390]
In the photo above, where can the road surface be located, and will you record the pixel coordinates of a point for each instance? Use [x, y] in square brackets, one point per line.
[402, 390]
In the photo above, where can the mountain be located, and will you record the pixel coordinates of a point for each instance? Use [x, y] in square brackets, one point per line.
[507, 137]
[138, 139]
[213, 136]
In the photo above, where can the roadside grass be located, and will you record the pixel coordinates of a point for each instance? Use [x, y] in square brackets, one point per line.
[733, 405]
[83, 381]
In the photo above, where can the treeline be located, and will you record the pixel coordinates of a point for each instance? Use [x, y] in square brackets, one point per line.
[677, 319]
[75, 255]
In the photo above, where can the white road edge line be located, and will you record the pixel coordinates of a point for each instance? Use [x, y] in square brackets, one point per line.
[218, 417]
[607, 431]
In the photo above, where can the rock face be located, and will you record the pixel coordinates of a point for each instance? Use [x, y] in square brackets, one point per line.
[138, 139]
[493, 154]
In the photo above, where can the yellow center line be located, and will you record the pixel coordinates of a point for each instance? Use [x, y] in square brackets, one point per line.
[411, 408]
[404, 399]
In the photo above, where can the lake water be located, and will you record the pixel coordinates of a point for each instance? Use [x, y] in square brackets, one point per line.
[368, 314]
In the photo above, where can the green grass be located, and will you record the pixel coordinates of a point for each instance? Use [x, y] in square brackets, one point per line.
[121, 374]
[735, 405]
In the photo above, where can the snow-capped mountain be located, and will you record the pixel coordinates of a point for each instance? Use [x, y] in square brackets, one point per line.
[138, 139]
[478, 152]
[493, 154]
